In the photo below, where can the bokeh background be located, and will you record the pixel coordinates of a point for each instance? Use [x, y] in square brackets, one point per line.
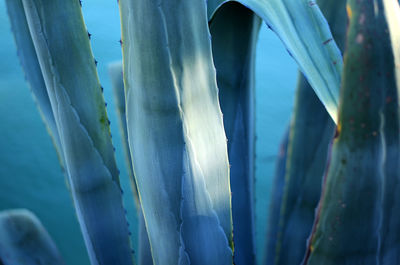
[30, 175]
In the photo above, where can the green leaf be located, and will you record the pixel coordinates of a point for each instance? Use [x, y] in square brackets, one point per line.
[24, 240]
[68, 67]
[175, 131]
[305, 33]
[234, 31]
[358, 204]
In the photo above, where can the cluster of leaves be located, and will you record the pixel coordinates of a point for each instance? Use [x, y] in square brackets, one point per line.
[175, 82]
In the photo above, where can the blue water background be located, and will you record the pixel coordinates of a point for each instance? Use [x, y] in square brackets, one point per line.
[30, 175]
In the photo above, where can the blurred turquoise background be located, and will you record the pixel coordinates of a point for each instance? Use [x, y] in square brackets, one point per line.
[30, 175]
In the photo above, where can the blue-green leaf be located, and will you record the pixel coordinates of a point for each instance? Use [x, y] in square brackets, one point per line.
[116, 74]
[117, 80]
[68, 67]
[278, 188]
[24, 240]
[28, 59]
[175, 131]
[234, 31]
[311, 132]
[305, 33]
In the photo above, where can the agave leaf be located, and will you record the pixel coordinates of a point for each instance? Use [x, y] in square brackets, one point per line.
[117, 80]
[354, 214]
[305, 33]
[310, 136]
[28, 59]
[390, 228]
[276, 201]
[145, 257]
[234, 31]
[24, 240]
[66, 61]
[175, 131]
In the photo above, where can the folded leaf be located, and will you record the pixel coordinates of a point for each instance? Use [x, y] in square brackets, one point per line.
[68, 67]
[24, 240]
[175, 130]
[305, 33]
[234, 31]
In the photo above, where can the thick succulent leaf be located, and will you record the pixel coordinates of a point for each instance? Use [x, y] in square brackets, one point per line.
[310, 135]
[305, 33]
[117, 80]
[390, 228]
[234, 31]
[356, 208]
[28, 59]
[69, 72]
[175, 131]
[24, 240]
[276, 201]
[145, 257]
[309, 140]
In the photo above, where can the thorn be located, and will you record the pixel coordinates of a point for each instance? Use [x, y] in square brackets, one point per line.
[327, 41]
[120, 42]
[80, 3]
[102, 89]
[89, 35]
[105, 104]
[95, 62]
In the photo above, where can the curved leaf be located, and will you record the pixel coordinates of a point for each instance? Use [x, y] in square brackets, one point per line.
[303, 29]
[234, 31]
[175, 131]
[69, 72]
[24, 240]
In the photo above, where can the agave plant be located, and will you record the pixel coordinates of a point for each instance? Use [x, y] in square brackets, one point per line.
[185, 63]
